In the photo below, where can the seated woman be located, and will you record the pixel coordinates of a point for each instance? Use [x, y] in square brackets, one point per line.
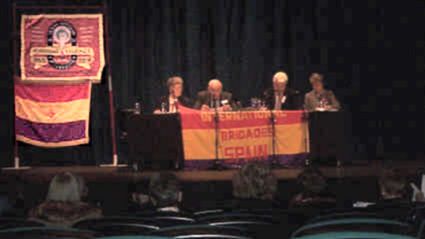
[319, 98]
[63, 205]
[313, 192]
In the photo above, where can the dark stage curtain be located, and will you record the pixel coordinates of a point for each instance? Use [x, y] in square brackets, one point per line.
[371, 53]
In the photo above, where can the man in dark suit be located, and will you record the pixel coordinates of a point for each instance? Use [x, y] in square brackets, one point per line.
[175, 97]
[280, 97]
[214, 98]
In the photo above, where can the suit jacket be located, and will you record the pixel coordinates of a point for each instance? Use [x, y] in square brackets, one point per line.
[311, 100]
[204, 98]
[292, 102]
[183, 100]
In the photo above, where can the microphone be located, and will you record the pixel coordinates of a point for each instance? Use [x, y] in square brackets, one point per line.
[214, 103]
[176, 104]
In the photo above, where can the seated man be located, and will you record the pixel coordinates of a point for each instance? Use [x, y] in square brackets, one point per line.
[162, 202]
[320, 99]
[214, 98]
[280, 97]
[165, 193]
[313, 193]
[393, 202]
[175, 97]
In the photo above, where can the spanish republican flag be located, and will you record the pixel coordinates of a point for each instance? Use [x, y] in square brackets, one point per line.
[52, 115]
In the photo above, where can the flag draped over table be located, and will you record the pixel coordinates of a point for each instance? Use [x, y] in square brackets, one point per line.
[242, 136]
[52, 115]
[65, 47]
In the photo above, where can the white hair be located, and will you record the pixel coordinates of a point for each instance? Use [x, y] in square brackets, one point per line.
[64, 188]
[214, 82]
[280, 77]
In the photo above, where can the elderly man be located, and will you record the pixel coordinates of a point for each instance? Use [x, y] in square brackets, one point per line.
[214, 97]
[280, 97]
[170, 102]
[320, 99]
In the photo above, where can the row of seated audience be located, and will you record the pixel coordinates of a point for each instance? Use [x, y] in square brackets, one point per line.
[254, 187]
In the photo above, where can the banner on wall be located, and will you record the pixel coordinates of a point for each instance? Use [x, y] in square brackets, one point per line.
[52, 115]
[66, 47]
[242, 136]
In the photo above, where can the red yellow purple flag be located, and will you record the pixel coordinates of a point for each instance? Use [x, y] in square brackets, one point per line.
[66, 47]
[242, 136]
[52, 115]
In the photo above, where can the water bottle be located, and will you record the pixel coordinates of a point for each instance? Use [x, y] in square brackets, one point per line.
[262, 104]
[163, 107]
[137, 108]
[253, 102]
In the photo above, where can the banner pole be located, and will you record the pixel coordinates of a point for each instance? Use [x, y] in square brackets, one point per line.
[16, 159]
[306, 118]
[59, 7]
[111, 92]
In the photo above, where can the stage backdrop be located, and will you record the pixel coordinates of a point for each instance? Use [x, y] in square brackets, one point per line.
[370, 52]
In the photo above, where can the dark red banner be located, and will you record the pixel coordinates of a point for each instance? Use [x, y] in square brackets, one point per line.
[66, 47]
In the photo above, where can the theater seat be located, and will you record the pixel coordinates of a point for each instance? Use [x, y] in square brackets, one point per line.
[114, 226]
[6, 223]
[354, 235]
[256, 225]
[344, 215]
[131, 237]
[165, 219]
[208, 212]
[46, 233]
[236, 219]
[202, 231]
[354, 224]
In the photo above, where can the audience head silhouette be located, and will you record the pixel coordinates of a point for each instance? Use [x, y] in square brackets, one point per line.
[165, 190]
[255, 180]
[64, 187]
[392, 184]
[63, 205]
[312, 181]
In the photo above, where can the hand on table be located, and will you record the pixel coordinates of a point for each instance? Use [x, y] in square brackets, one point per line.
[205, 108]
[226, 108]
